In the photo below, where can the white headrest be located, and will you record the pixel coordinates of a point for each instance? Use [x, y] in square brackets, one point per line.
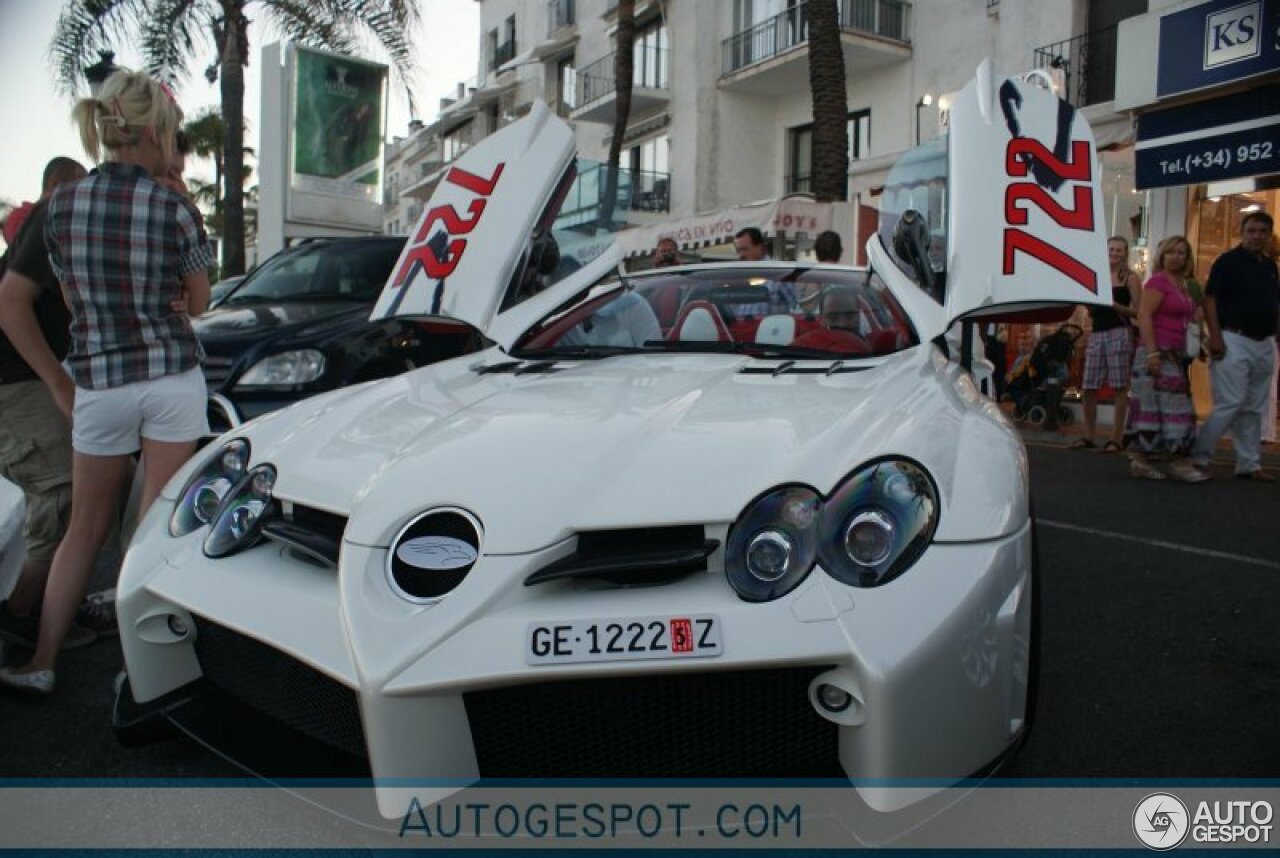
[777, 330]
[699, 326]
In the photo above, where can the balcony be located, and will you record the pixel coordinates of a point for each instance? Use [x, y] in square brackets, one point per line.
[560, 14]
[595, 89]
[502, 54]
[1087, 64]
[771, 58]
[639, 192]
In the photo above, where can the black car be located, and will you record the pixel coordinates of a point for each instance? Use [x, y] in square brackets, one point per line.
[299, 324]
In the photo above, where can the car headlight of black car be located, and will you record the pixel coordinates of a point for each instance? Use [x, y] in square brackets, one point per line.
[203, 493]
[238, 523]
[286, 369]
[872, 529]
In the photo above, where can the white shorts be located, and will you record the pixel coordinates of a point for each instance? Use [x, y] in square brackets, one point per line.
[112, 422]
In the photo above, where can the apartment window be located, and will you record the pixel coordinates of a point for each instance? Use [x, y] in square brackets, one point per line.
[649, 180]
[566, 78]
[651, 55]
[456, 142]
[800, 169]
[491, 48]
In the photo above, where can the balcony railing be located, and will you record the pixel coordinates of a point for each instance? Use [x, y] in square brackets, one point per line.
[638, 191]
[887, 18]
[1087, 63]
[597, 79]
[560, 13]
[503, 54]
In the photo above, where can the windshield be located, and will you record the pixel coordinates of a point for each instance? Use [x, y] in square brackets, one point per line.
[323, 271]
[913, 215]
[818, 312]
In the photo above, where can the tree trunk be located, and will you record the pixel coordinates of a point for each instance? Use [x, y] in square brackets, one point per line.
[830, 102]
[623, 69]
[231, 77]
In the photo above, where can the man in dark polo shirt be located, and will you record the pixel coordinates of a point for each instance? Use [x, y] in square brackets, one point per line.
[1241, 307]
[35, 433]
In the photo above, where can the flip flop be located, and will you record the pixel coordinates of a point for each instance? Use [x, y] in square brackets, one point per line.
[1082, 444]
[1110, 447]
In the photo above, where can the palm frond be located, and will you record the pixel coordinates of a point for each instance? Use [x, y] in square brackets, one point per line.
[172, 34]
[84, 28]
[391, 23]
[309, 23]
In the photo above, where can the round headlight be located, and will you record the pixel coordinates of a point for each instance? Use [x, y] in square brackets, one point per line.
[878, 522]
[203, 493]
[773, 545]
[768, 555]
[239, 519]
[869, 539]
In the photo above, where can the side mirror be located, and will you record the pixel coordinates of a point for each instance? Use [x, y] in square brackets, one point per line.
[911, 244]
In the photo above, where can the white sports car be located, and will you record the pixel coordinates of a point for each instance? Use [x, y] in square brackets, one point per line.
[730, 520]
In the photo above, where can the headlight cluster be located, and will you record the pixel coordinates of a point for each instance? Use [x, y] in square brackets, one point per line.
[285, 369]
[227, 495]
[872, 529]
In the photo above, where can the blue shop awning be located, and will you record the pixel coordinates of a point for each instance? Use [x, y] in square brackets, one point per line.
[1231, 137]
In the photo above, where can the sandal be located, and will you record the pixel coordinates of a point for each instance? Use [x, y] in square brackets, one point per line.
[1082, 444]
[1110, 447]
[1143, 471]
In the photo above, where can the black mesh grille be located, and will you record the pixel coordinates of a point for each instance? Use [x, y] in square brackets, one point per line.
[748, 724]
[280, 687]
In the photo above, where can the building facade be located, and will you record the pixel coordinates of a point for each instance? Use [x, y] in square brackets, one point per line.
[721, 113]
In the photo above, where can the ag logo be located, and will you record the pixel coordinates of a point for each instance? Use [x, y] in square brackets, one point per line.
[436, 553]
[1161, 821]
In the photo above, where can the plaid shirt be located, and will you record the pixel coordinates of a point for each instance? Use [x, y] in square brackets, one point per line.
[120, 244]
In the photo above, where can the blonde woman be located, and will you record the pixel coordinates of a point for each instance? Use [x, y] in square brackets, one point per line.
[1108, 358]
[132, 259]
[1161, 418]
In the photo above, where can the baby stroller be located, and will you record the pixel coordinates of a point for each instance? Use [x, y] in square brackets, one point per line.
[1036, 380]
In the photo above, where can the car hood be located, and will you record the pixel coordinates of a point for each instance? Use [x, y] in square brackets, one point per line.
[231, 324]
[624, 442]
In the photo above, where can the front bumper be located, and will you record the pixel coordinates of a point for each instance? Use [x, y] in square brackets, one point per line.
[936, 663]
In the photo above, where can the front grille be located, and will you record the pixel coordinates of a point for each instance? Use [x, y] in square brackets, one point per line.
[745, 724]
[216, 371]
[280, 687]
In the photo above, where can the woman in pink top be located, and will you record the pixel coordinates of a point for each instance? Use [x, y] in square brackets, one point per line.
[1161, 418]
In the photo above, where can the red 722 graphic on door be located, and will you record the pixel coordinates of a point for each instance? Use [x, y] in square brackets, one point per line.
[1080, 216]
[431, 260]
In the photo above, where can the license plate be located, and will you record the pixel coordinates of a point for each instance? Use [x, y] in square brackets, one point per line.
[629, 639]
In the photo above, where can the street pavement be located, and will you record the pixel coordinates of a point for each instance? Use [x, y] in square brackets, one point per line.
[1161, 646]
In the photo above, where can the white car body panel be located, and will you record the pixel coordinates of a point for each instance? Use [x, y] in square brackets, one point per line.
[938, 659]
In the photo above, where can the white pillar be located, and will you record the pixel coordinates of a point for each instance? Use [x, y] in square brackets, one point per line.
[273, 168]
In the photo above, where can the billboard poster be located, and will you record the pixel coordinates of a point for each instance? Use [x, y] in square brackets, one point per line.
[338, 111]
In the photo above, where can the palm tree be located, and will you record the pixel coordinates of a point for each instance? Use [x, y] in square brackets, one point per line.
[830, 103]
[623, 69]
[207, 133]
[171, 32]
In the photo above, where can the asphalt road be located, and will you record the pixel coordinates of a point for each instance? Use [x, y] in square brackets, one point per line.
[1161, 642]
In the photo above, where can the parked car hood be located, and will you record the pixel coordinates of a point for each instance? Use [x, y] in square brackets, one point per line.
[222, 330]
[624, 442]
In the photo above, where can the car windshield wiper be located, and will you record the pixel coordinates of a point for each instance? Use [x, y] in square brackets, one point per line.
[765, 350]
[577, 352]
[319, 296]
[247, 299]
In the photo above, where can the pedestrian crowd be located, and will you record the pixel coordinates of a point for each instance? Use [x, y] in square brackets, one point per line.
[1143, 345]
[98, 360]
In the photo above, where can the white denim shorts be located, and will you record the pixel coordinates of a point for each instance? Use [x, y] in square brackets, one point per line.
[112, 422]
